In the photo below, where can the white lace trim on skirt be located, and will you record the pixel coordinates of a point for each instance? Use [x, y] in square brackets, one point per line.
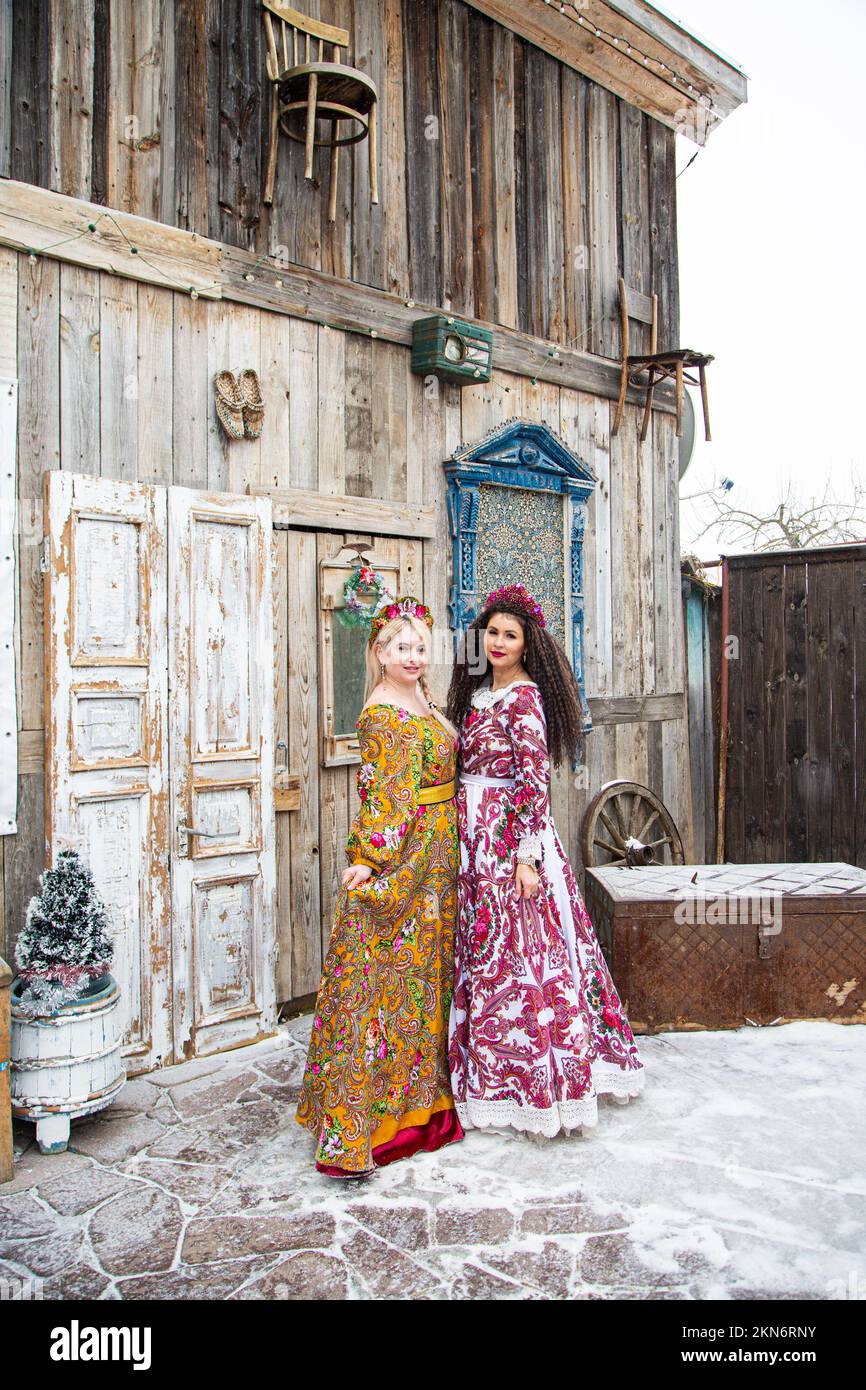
[607, 1079]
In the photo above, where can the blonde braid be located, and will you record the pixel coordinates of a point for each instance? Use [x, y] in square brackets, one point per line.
[428, 696]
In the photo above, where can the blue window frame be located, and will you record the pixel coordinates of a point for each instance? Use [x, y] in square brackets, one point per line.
[517, 512]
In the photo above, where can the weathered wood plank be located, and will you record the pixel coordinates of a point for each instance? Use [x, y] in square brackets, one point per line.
[282, 719]
[392, 188]
[390, 368]
[752, 652]
[483, 170]
[455, 157]
[663, 234]
[79, 370]
[605, 334]
[118, 377]
[359, 415]
[575, 210]
[190, 94]
[796, 688]
[274, 374]
[844, 730]
[505, 211]
[337, 236]
[8, 312]
[30, 96]
[31, 218]
[331, 407]
[99, 152]
[645, 86]
[135, 72]
[240, 127]
[6, 14]
[304, 760]
[423, 119]
[155, 383]
[773, 731]
[297, 507]
[72, 95]
[819, 666]
[191, 389]
[303, 405]
[859, 813]
[637, 709]
[24, 856]
[368, 251]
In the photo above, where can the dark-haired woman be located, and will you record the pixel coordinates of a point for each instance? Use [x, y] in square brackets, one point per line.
[537, 1030]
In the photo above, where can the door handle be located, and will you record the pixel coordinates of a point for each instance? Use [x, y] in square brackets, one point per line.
[208, 834]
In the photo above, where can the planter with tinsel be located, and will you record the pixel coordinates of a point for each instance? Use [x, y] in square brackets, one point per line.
[66, 1024]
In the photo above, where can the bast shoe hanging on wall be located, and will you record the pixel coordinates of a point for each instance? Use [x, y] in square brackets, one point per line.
[240, 406]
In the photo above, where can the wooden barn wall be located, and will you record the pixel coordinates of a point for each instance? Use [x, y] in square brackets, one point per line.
[115, 380]
[796, 772]
[511, 187]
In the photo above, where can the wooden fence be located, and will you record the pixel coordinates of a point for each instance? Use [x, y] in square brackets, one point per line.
[796, 775]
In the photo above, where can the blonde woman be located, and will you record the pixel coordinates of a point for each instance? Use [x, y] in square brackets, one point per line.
[376, 1086]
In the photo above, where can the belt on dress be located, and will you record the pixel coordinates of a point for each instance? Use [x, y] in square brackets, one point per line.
[441, 791]
[475, 779]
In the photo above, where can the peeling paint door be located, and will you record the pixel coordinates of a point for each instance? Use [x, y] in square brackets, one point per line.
[159, 748]
[106, 677]
[221, 688]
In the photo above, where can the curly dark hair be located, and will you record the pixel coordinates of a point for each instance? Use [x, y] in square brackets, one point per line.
[546, 664]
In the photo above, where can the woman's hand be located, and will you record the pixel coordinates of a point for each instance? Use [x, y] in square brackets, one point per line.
[357, 874]
[526, 881]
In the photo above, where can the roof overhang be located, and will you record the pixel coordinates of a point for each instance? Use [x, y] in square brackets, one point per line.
[636, 51]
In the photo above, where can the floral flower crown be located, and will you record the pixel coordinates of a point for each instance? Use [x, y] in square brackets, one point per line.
[407, 607]
[518, 597]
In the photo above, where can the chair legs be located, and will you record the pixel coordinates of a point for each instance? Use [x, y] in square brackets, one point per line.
[372, 131]
[273, 141]
[705, 403]
[647, 410]
[311, 125]
[623, 384]
[335, 166]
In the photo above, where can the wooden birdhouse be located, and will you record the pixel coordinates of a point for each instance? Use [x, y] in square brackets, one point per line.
[451, 349]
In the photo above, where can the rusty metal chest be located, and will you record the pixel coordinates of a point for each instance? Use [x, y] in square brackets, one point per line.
[720, 945]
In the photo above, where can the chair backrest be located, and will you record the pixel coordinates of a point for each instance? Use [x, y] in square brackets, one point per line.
[643, 308]
[297, 39]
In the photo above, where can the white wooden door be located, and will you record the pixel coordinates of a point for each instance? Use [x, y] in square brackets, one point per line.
[159, 692]
[106, 782]
[221, 680]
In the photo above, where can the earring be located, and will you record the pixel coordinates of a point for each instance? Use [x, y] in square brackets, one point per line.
[381, 670]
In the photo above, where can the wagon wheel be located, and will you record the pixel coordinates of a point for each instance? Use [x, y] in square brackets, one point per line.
[627, 824]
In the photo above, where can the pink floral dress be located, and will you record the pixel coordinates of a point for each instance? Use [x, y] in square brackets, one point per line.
[536, 1029]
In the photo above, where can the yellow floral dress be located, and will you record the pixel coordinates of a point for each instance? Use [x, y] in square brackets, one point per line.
[376, 1085]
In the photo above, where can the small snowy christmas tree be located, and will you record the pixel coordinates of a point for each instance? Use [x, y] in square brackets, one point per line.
[64, 943]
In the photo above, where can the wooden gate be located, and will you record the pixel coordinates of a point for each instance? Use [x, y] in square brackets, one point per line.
[159, 748]
[319, 694]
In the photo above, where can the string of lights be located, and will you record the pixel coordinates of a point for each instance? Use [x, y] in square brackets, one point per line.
[626, 46]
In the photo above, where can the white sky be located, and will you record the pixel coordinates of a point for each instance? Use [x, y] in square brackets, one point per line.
[771, 231]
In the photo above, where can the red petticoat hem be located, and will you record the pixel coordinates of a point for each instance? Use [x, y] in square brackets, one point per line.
[442, 1128]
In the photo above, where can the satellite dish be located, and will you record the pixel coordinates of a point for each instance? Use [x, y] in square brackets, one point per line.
[686, 440]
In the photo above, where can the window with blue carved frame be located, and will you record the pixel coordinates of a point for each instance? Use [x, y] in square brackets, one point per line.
[517, 512]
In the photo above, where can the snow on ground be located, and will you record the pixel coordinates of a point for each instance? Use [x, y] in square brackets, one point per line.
[739, 1173]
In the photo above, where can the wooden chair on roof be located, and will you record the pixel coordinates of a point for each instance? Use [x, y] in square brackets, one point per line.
[303, 82]
[644, 308]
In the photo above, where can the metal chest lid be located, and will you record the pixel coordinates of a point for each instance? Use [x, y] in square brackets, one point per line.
[799, 884]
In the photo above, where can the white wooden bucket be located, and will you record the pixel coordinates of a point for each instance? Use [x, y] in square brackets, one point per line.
[66, 1065]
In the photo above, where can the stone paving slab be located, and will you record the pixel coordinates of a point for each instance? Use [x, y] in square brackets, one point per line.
[737, 1174]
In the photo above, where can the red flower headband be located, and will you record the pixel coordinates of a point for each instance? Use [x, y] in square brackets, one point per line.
[408, 607]
[518, 597]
